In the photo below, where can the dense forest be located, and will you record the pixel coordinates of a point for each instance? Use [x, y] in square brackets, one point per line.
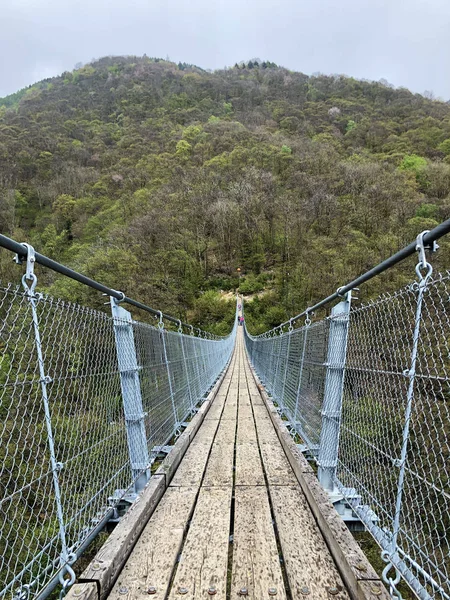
[160, 180]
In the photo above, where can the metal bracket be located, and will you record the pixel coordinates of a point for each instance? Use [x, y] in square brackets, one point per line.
[29, 272]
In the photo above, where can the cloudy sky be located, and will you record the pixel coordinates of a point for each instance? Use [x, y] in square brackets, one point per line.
[406, 42]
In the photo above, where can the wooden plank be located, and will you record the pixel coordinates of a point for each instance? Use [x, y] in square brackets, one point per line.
[256, 564]
[206, 432]
[229, 412]
[246, 432]
[276, 465]
[232, 398]
[245, 411]
[84, 591]
[374, 590]
[226, 433]
[261, 413]
[152, 561]
[204, 558]
[308, 561]
[244, 401]
[227, 430]
[215, 412]
[353, 564]
[219, 470]
[256, 397]
[248, 465]
[266, 431]
[109, 560]
[190, 472]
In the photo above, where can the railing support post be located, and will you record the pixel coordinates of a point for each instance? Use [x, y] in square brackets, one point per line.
[186, 369]
[334, 386]
[300, 374]
[131, 395]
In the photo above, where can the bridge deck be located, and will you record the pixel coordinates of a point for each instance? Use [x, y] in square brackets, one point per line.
[234, 521]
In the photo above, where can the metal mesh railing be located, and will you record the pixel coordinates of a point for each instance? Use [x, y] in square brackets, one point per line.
[368, 391]
[71, 427]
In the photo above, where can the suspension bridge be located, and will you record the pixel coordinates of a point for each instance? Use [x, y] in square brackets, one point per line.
[231, 466]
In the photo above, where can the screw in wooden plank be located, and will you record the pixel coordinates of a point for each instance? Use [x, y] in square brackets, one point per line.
[243, 591]
[333, 590]
[305, 590]
[151, 590]
[212, 591]
[123, 590]
[182, 590]
[272, 591]
[376, 590]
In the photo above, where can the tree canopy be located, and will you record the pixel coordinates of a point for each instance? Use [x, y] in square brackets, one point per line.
[160, 179]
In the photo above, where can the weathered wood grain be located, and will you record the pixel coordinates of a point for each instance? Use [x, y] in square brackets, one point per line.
[245, 411]
[154, 556]
[208, 431]
[229, 412]
[190, 472]
[204, 558]
[248, 465]
[256, 564]
[226, 429]
[308, 562]
[276, 465]
[219, 470]
[216, 409]
[246, 431]
[109, 560]
[352, 564]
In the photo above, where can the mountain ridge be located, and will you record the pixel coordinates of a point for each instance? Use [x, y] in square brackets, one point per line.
[302, 181]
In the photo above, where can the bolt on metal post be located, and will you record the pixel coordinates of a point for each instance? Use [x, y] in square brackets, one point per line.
[334, 387]
[131, 395]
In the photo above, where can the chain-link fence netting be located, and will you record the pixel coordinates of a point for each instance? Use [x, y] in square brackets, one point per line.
[65, 436]
[392, 447]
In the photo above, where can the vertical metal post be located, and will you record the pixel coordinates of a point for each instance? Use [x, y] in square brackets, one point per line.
[275, 376]
[334, 386]
[286, 365]
[131, 395]
[176, 423]
[186, 370]
[196, 368]
[302, 363]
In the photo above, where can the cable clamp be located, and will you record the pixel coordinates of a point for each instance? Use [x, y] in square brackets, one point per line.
[29, 272]
[423, 264]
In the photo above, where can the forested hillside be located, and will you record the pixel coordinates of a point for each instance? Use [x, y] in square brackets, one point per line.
[161, 179]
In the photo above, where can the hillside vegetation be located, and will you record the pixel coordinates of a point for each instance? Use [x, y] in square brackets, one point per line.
[161, 179]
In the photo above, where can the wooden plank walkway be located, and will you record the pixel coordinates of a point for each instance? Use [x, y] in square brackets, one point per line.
[234, 522]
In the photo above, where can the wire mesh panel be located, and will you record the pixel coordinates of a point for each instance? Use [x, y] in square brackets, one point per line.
[65, 428]
[292, 368]
[374, 429]
[87, 434]
[393, 423]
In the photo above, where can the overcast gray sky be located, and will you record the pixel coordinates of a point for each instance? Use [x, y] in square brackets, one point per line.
[403, 41]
